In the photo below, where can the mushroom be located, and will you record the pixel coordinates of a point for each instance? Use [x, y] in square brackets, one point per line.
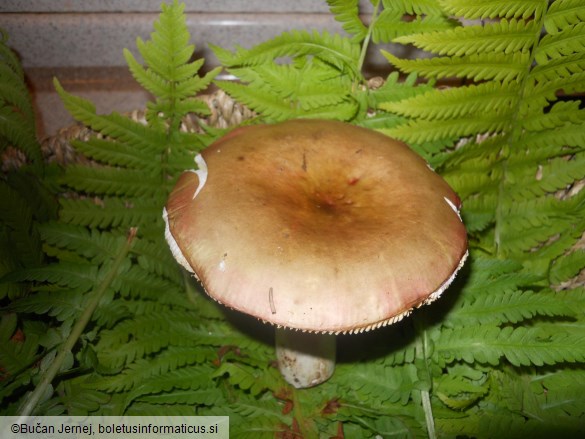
[318, 227]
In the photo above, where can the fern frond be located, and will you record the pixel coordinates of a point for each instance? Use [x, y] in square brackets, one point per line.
[156, 258]
[511, 306]
[92, 245]
[479, 67]
[78, 400]
[117, 154]
[347, 13]
[479, 213]
[501, 275]
[378, 382]
[505, 36]
[556, 174]
[185, 378]
[275, 108]
[389, 25]
[246, 377]
[113, 181]
[17, 220]
[567, 267]
[520, 346]
[563, 13]
[253, 418]
[18, 132]
[63, 305]
[558, 68]
[198, 397]
[473, 9]
[550, 217]
[332, 49]
[13, 92]
[566, 42]
[121, 128]
[461, 387]
[17, 121]
[78, 277]
[168, 48]
[422, 131]
[154, 331]
[137, 282]
[453, 103]
[173, 357]
[16, 355]
[112, 212]
[561, 114]
[571, 135]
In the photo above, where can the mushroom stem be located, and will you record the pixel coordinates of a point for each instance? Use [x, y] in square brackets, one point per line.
[305, 359]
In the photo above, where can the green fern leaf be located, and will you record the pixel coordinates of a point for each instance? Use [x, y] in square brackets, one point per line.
[17, 222]
[458, 391]
[113, 181]
[381, 383]
[92, 245]
[479, 213]
[561, 114]
[545, 92]
[78, 277]
[550, 217]
[331, 49]
[112, 212]
[157, 329]
[520, 346]
[17, 121]
[567, 267]
[17, 131]
[156, 258]
[454, 103]
[563, 13]
[63, 305]
[421, 131]
[16, 355]
[473, 9]
[142, 369]
[245, 377]
[492, 66]
[570, 40]
[390, 25]
[510, 306]
[117, 154]
[136, 282]
[251, 419]
[505, 36]
[114, 125]
[211, 396]
[185, 378]
[13, 92]
[347, 13]
[558, 68]
[78, 399]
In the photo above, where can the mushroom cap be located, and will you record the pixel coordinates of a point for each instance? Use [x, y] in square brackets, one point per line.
[316, 225]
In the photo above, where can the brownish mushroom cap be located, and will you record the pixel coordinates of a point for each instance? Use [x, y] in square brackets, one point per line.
[316, 225]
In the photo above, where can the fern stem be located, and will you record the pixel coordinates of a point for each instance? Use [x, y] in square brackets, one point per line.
[428, 409]
[77, 330]
[366, 42]
[422, 354]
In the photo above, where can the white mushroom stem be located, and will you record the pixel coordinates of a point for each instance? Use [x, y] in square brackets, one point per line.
[305, 359]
